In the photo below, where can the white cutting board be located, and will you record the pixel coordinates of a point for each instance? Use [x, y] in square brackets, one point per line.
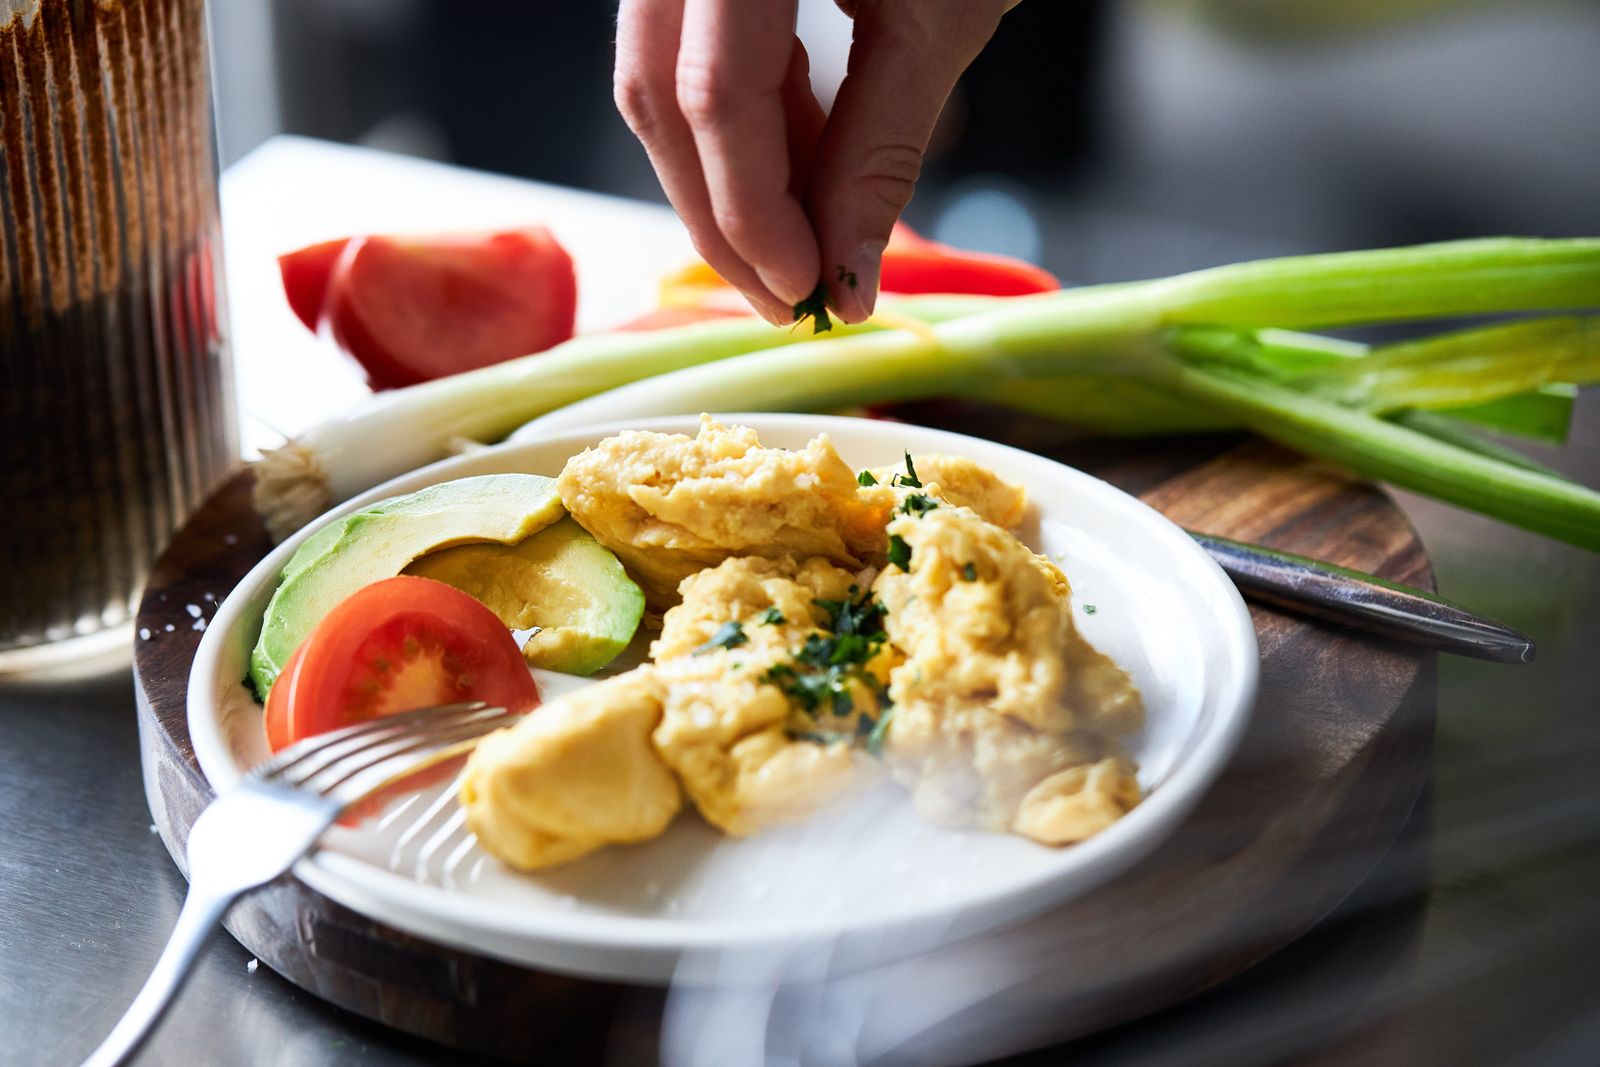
[294, 191]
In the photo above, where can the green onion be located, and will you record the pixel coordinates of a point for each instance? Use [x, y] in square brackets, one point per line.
[1211, 349]
[398, 431]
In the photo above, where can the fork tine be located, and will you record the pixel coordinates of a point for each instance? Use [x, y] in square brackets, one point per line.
[299, 761]
[331, 779]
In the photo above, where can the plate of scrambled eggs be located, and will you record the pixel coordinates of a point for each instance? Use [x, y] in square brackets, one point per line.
[894, 687]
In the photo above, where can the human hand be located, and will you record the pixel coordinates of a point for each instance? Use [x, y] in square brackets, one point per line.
[776, 194]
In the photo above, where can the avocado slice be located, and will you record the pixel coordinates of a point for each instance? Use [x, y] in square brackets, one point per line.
[377, 542]
[560, 580]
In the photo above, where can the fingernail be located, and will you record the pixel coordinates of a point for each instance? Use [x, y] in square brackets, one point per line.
[854, 285]
[790, 290]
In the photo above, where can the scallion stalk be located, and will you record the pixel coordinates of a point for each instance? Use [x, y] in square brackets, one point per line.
[1129, 338]
[400, 430]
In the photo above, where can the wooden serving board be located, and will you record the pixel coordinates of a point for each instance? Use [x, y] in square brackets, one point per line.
[1327, 775]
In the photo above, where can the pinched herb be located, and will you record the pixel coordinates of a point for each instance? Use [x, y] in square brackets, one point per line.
[814, 307]
[729, 635]
[899, 552]
[847, 276]
[969, 573]
[909, 479]
[772, 617]
[918, 504]
[866, 477]
[1089, 609]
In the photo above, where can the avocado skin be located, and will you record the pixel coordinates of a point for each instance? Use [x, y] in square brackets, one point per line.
[560, 580]
[379, 541]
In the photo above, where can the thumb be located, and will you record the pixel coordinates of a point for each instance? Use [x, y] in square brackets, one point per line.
[904, 59]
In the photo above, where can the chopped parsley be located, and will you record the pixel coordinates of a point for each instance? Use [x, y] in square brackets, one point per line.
[772, 617]
[814, 307]
[820, 676]
[909, 479]
[866, 477]
[969, 573]
[899, 552]
[858, 614]
[847, 276]
[729, 635]
[1089, 609]
[918, 504]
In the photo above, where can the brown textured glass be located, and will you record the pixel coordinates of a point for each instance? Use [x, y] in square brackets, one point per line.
[116, 415]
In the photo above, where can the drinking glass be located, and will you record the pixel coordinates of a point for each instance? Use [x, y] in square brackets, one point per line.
[116, 401]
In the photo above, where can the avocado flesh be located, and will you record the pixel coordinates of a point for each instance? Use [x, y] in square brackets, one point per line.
[377, 543]
[560, 580]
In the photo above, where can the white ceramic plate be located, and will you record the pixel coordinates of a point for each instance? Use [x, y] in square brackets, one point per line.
[866, 885]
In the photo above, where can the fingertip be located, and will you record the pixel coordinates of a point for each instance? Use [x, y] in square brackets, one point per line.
[853, 283]
[783, 286]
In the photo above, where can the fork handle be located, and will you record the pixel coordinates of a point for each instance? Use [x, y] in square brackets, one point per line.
[1365, 601]
[203, 908]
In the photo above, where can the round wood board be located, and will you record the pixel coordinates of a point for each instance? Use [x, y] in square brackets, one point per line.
[1334, 760]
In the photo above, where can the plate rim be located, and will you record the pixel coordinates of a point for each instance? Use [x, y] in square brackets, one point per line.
[445, 915]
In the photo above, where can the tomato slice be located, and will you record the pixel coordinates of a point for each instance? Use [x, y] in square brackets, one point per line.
[411, 309]
[396, 645]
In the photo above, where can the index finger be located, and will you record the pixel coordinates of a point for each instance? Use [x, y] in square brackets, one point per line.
[732, 62]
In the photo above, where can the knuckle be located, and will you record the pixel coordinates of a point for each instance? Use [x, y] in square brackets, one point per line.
[636, 100]
[705, 96]
[889, 174]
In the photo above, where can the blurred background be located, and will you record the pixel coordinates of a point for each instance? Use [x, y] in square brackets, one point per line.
[1115, 139]
[1107, 139]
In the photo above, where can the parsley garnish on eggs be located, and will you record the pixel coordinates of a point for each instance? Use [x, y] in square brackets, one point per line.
[899, 552]
[729, 635]
[909, 479]
[819, 677]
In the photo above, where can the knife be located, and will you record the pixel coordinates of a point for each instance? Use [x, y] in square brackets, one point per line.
[1365, 601]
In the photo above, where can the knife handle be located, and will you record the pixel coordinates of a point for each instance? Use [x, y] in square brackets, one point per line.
[1364, 601]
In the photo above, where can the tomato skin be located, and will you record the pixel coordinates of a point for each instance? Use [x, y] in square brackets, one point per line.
[306, 276]
[940, 269]
[276, 719]
[396, 645]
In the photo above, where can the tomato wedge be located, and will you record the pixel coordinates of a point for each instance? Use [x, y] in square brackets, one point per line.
[914, 264]
[411, 309]
[306, 275]
[396, 645]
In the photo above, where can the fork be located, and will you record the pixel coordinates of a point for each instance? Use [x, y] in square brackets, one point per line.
[258, 829]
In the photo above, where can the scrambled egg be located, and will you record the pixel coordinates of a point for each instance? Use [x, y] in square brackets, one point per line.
[670, 505]
[998, 692]
[733, 737]
[577, 774]
[813, 617]
[953, 480]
